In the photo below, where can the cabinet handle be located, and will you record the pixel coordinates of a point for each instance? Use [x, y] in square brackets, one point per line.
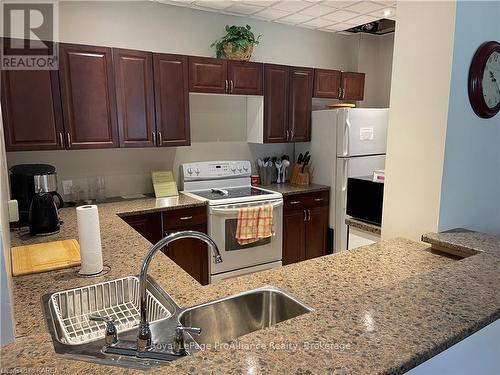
[291, 134]
[294, 202]
[160, 140]
[226, 86]
[61, 139]
[318, 199]
[343, 92]
[340, 93]
[232, 86]
[154, 137]
[68, 136]
[287, 135]
[305, 215]
[186, 218]
[308, 215]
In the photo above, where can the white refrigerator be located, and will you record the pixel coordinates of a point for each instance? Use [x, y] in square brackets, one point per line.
[346, 143]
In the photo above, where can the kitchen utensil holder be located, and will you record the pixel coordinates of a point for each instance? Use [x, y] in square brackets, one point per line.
[268, 175]
[299, 178]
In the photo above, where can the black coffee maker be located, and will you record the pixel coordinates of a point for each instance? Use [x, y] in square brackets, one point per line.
[34, 186]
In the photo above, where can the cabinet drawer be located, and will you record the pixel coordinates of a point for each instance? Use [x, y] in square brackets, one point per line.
[306, 200]
[184, 218]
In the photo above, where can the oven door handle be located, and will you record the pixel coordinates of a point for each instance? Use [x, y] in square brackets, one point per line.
[235, 210]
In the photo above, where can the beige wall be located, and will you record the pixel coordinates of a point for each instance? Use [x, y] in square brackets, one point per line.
[375, 60]
[218, 123]
[418, 118]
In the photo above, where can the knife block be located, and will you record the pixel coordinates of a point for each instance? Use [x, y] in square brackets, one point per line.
[299, 178]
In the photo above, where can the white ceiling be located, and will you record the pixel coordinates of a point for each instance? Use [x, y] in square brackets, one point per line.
[325, 15]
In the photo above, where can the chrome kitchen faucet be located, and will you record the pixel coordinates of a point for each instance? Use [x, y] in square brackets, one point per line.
[144, 347]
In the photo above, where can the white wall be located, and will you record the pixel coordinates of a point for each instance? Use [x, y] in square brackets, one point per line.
[218, 123]
[418, 117]
[6, 326]
[470, 192]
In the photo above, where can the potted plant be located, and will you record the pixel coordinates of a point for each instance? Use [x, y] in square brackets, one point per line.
[237, 44]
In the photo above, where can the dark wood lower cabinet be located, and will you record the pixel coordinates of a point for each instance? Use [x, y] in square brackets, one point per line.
[305, 226]
[190, 254]
[148, 225]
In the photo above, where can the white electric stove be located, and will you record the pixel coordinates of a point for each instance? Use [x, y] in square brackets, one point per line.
[226, 186]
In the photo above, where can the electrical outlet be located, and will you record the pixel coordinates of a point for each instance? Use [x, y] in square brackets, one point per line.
[67, 185]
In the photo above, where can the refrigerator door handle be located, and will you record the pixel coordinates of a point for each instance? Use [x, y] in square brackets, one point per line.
[347, 130]
[344, 175]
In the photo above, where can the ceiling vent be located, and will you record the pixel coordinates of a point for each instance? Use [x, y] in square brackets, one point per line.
[380, 27]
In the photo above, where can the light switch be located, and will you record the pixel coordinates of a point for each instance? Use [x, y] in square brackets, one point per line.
[13, 210]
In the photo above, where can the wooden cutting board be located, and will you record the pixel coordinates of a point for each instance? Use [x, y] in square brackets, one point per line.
[44, 257]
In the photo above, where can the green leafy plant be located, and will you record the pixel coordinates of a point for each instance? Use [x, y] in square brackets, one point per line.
[239, 37]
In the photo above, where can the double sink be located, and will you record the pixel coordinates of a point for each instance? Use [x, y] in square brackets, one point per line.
[74, 336]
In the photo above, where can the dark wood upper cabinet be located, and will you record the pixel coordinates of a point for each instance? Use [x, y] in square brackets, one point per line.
[353, 86]
[31, 109]
[135, 97]
[171, 99]
[301, 89]
[88, 96]
[326, 83]
[207, 74]
[276, 100]
[245, 78]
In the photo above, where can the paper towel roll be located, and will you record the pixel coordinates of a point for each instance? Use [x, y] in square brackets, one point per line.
[89, 237]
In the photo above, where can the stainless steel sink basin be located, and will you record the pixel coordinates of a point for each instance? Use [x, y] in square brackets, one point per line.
[221, 320]
[229, 318]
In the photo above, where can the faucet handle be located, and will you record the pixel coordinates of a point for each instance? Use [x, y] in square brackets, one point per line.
[111, 336]
[179, 347]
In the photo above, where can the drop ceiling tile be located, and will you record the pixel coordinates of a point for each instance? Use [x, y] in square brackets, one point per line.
[212, 4]
[262, 3]
[271, 14]
[365, 7]
[384, 13]
[361, 20]
[243, 8]
[291, 6]
[339, 27]
[340, 15]
[316, 10]
[318, 22]
[296, 18]
[338, 3]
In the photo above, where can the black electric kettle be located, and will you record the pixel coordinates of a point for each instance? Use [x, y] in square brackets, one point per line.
[43, 215]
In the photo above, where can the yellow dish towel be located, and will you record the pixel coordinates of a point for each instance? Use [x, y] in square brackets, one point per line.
[254, 223]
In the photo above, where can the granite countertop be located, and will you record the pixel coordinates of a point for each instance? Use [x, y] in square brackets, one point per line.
[382, 308]
[362, 225]
[290, 189]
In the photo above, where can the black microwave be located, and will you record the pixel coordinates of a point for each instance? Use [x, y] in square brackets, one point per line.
[365, 199]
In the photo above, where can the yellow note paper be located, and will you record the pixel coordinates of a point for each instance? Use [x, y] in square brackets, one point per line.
[164, 184]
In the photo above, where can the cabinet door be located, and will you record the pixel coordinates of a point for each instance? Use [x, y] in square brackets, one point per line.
[353, 85]
[316, 232]
[31, 109]
[275, 103]
[134, 97]
[148, 225]
[326, 83]
[88, 96]
[190, 254]
[294, 239]
[208, 75]
[301, 88]
[245, 78]
[172, 99]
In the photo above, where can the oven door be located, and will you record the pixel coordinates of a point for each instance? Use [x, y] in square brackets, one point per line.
[222, 224]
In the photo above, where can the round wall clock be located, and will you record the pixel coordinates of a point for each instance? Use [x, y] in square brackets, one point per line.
[484, 80]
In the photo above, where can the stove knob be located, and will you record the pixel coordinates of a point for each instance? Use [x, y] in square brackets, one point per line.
[190, 170]
[197, 171]
[233, 167]
[245, 167]
[239, 168]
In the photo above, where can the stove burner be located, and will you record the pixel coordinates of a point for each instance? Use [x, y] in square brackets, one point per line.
[228, 193]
